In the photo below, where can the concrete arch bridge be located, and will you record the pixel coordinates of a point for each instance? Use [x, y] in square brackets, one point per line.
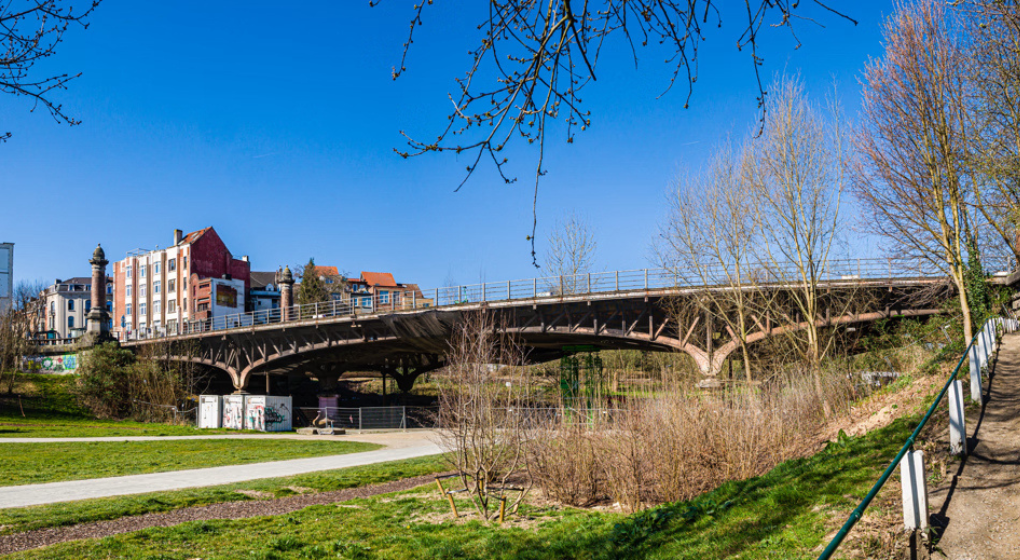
[652, 310]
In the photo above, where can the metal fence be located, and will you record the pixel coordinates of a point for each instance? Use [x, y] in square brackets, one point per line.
[369, 418]
[753, 275]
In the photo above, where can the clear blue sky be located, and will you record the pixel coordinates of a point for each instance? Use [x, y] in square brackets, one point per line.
[275, 123]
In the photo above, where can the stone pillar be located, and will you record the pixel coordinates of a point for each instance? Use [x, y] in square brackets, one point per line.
[98, 319]
[286, 293]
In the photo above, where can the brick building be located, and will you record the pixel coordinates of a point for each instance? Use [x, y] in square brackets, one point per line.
[158, 291]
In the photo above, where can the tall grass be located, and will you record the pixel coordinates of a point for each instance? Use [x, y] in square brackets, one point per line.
[682, 442]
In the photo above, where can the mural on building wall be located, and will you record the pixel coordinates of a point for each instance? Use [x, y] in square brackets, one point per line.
[65, 363]
[226, 296]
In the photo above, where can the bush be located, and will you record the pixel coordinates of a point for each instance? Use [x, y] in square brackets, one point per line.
[104, 380]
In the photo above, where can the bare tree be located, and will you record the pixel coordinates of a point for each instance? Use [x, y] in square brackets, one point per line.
[17, 325]
[537, 56]
[709, 239]
[912, 174]
[991, 35]
[484, 393]
[572, 249]
[30, 31]
[797, 177]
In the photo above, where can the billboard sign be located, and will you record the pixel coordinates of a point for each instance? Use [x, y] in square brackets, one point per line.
[226, 296]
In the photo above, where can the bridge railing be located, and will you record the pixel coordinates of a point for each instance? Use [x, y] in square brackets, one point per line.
[369, 417]
[585, 284]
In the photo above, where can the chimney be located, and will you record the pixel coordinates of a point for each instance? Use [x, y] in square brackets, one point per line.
[244, 258]
[178, 235]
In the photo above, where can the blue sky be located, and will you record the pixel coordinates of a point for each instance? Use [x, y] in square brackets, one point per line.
[276, 122]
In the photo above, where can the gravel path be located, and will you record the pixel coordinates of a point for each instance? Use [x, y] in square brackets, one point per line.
[399, 446]
[229, 510]
[981, 504]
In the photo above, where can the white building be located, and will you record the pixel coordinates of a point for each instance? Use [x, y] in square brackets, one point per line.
[65, 305]
[6, 276]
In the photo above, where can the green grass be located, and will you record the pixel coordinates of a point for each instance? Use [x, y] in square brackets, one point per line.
[71, 513]
[784, 514]
[50, 410]
[34, 463]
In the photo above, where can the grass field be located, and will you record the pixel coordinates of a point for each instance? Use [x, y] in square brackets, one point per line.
[783, 514]
[71, 513]
[46, 408]
[34, 463]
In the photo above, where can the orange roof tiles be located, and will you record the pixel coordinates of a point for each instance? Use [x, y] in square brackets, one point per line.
[195, 235]
[384, 279]
[327, 270]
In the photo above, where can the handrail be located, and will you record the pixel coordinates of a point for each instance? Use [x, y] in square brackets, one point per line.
[569, 285]
[858, 512]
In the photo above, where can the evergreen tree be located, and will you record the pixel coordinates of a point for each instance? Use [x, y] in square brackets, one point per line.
[312, 290]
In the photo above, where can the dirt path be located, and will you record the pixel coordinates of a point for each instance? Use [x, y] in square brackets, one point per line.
[229, 510]
[980, 506]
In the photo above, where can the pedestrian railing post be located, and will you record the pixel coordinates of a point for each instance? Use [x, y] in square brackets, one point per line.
[915, 491]
[957, 424]
[975, 374]
[508, 292]
[534, 287]
[646, 278]
[617, 281]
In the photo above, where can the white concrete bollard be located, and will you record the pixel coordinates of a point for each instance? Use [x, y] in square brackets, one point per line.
[957, 425]
[975, 375]
[915, 491]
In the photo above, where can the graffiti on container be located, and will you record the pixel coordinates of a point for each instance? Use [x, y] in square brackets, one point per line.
[256, 417]
[277, 414]
[51, 364]
[232, 416]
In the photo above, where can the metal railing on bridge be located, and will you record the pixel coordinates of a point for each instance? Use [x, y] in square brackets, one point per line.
[369, 418]
[576, 285]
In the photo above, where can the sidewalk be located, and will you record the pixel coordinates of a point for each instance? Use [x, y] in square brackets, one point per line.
[399, 446]
[980, 507]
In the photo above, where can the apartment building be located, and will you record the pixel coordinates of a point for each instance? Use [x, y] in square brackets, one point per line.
[64, 306]
[158, 291]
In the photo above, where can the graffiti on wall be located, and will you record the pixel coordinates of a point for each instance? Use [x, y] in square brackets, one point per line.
[273, 416]
[51, 364]
[233, 416]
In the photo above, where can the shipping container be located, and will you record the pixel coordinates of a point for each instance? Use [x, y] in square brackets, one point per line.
[233, 412]
[267, 414]
[209, 411]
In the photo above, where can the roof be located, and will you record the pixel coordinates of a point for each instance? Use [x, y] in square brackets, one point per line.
[195, 235]
[260, 280]
[83, 280]
[327, 271]
[384, 279]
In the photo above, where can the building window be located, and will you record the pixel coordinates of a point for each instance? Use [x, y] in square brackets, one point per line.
[70, 305]
[141, 290]
[366, 302]
[384, 297]
[155, 307]
[141, 270]
[51, 323]
[127, 309]
[171, 285]
[155, 286]
[53, 308]
[171, 306]
[109, 307]
[109, 289]
[184, 304]
[129, 273]
[141, 309]
[70, 322]
[88, 305]
[184, 263]
[396, 298]
[155, 269]
[171, 265]
[128, 288]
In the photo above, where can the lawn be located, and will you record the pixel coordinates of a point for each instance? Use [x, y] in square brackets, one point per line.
[70, 513]
[785, 513]
[34, 463]
[43, 406]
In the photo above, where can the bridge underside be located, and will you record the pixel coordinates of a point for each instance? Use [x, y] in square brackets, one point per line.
[405, 345]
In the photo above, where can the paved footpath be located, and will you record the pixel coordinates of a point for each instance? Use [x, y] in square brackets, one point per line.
[984, 498]
[404, 445]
